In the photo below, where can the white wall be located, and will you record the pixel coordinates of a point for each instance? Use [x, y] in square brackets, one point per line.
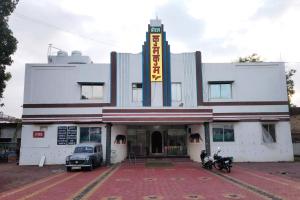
[156, 94]
[183, 70]
[64, 111]
[248, 145]
[249, 109]
[129, 70]
[121, 149]
[252, 81]
[32, 149]
[194, 149]
[47, 83]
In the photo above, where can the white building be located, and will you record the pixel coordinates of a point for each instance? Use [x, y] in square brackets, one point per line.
[155, 103]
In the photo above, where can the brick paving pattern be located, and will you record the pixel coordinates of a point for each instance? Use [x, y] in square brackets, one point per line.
[185, 180]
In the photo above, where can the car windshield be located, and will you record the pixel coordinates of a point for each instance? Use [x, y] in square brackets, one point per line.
[83, 150]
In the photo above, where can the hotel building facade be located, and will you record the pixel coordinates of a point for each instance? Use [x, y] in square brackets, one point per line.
[155, 104]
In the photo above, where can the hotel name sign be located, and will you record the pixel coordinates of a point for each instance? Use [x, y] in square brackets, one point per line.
[156, 54]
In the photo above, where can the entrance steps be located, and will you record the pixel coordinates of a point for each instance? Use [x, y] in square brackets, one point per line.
[143, 160]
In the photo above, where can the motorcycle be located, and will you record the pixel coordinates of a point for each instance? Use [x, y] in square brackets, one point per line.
[222, 162]
[206, 161]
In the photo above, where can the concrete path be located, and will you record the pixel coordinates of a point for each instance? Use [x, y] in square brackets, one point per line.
[185, 180]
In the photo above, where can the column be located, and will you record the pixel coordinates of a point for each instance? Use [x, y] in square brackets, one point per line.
[108, 143]
[207, 137]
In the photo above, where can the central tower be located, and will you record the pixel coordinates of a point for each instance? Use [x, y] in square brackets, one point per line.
[156, 67]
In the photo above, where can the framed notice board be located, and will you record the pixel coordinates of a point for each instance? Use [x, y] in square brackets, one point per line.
[66, 135]
[72, 135]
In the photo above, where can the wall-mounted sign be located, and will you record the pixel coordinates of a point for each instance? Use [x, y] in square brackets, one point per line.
[156, 54]
[156, 66]
[155, 29]
[38, 134]
[66, 135]
[62, 135]
[72, 135]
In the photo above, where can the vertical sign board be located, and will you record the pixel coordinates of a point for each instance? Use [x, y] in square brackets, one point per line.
[72, 135]
[62, 135]
[156, 54]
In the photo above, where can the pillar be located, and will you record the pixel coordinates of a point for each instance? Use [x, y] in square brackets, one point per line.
[207, 137]
[108, 143]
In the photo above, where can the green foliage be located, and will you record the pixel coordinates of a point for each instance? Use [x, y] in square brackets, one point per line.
[8, 43]
[252, 58]
[290, 84]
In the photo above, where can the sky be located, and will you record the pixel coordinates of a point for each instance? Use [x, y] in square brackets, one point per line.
[221, 30]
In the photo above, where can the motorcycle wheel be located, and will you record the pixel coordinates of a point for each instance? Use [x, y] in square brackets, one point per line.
[216, 166]
[228, 169]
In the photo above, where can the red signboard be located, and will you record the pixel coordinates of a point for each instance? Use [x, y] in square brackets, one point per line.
[38, 134]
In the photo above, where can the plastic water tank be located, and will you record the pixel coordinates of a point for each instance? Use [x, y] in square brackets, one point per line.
[76, 53]
[62, 53]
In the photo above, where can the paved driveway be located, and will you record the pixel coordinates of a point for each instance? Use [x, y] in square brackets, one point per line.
[185, 180]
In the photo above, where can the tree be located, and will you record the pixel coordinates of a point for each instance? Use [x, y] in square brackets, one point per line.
[288, 75]
[252, 58]
[290, 85]
[8, 43]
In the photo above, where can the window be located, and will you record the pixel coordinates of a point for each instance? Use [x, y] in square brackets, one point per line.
[223, 133]
[268, 133]
[176, 91]
[92, 91]
[137, 92]
[90, 134]
[220, 90]
[43, 128]
[83, 150]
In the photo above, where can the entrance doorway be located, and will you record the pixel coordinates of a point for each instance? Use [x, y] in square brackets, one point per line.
[156, 140]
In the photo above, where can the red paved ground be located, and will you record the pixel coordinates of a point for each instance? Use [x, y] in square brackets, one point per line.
[61, 186]
[290, 170]
[130, 182]
[283, 187]
[136, 182]
[13, 175]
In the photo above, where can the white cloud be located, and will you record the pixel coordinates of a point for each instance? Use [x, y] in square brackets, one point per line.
[222, 30]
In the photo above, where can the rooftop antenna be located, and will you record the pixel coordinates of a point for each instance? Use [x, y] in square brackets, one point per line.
[50, 47]
[49, 52]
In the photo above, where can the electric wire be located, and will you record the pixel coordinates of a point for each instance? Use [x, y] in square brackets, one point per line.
[24, 17]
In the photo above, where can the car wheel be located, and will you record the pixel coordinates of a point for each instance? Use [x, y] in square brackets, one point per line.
[91, 167]
[69, 169]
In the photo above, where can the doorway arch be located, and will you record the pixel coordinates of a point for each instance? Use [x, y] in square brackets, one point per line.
[156, 142]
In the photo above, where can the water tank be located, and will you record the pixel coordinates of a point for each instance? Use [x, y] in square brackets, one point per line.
[62, 53]
[76, 53]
